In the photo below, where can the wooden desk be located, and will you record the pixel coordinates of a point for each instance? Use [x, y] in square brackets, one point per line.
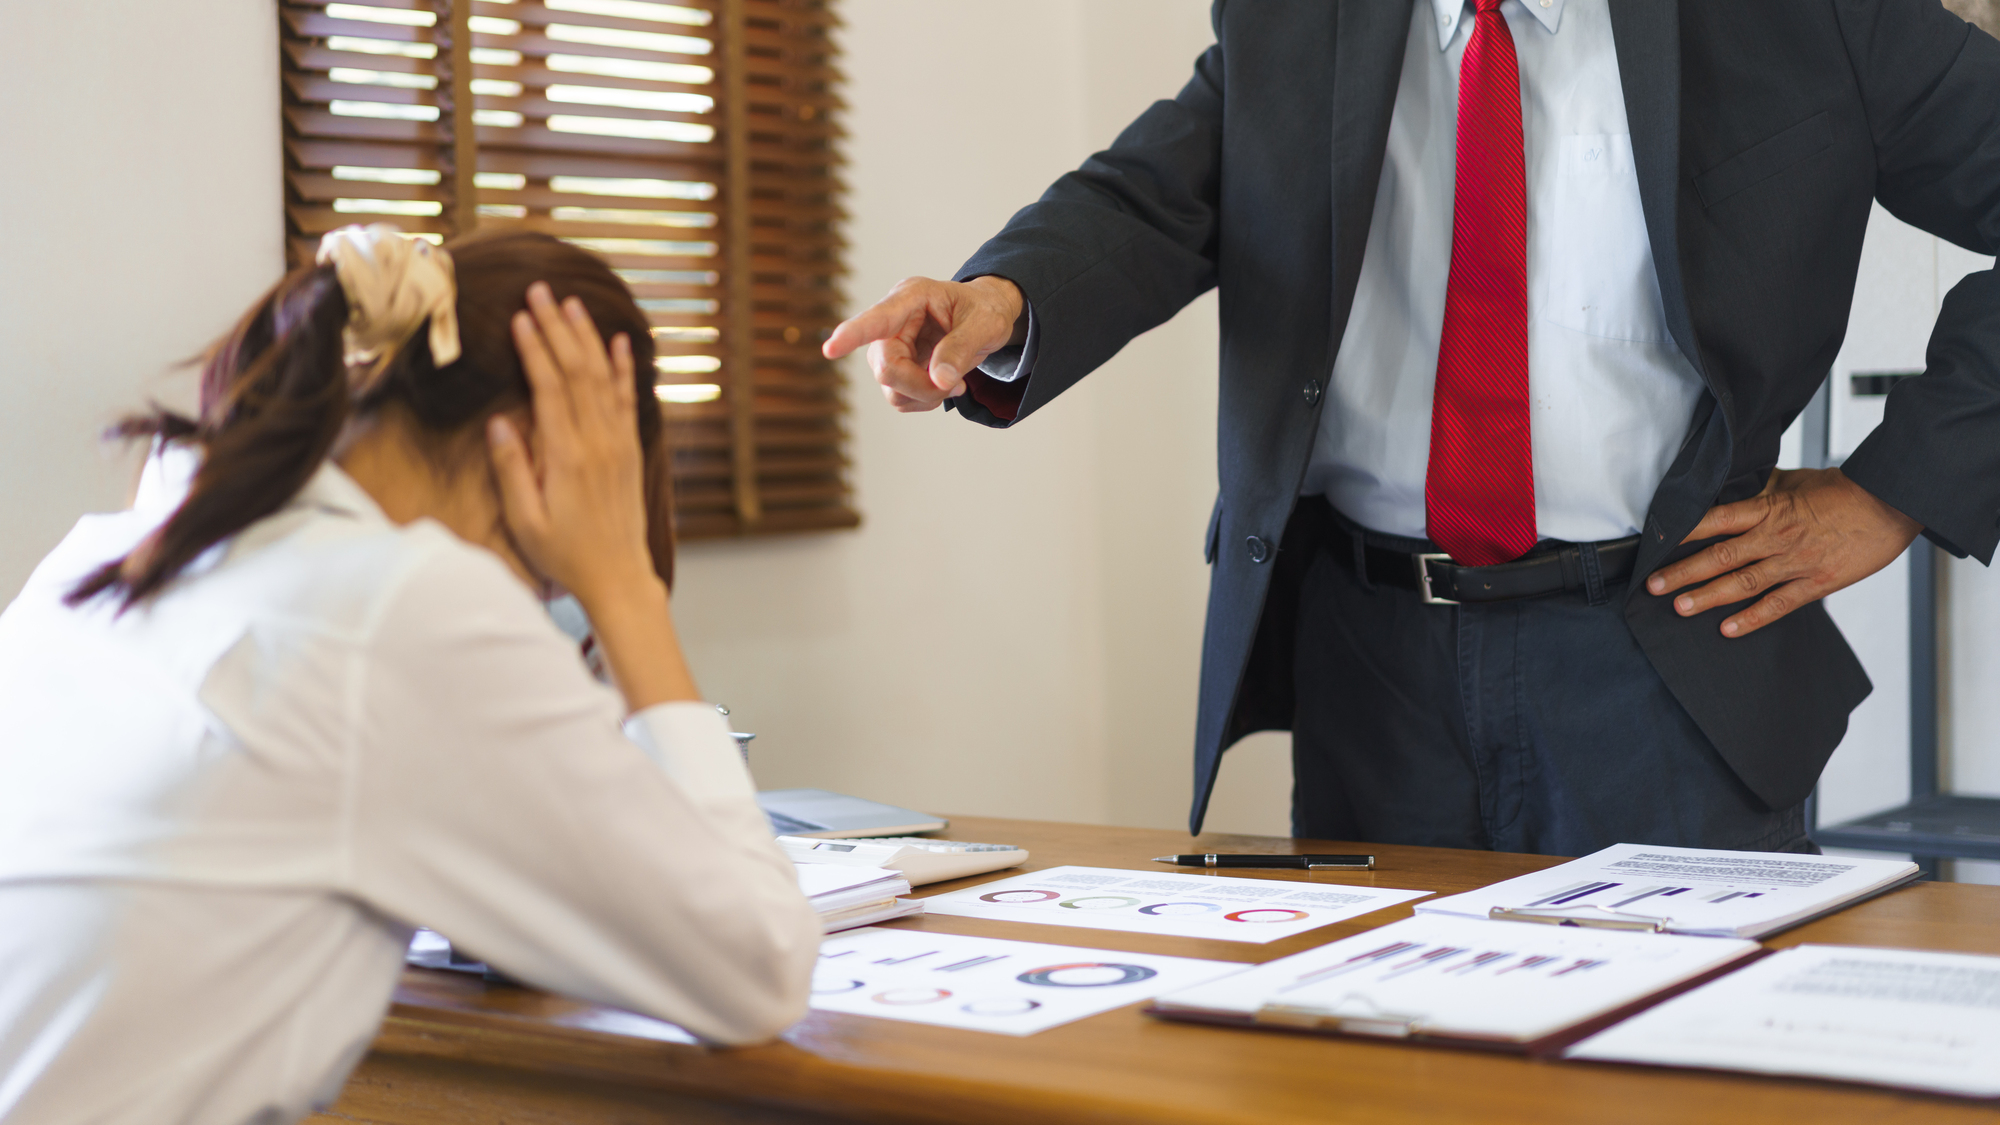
[457, 1050]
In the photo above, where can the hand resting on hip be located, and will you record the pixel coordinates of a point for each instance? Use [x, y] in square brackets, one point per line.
[1809, 533]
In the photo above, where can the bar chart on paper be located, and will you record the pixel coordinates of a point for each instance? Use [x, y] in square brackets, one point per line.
[1617, 896]
[1454, 977]
[1682, 890]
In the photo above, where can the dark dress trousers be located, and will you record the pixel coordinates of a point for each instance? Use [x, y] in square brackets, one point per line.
[1761, 130]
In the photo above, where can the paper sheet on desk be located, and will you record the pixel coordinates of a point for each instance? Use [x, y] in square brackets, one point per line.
[1892, 1017]
[823, 880]
[1704, 891]
[1457, 977]
[1155, 902]
[986, 984]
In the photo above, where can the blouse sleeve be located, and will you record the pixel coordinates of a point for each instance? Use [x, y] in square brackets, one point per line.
[494, 798]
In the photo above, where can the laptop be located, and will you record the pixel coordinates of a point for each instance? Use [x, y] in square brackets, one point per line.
[836, 816]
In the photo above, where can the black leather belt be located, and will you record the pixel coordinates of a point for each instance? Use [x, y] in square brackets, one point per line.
[1443, 582]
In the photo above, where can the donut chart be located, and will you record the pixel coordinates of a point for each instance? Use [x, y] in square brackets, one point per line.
[1099, 902]
[1180, 909]
[906, 997]
[1087, 974]
[1020, 895]
[833, 990]
[1267, 914]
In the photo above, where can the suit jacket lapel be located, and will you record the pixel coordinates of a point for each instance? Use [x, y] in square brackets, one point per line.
[1648, 42]
[1646, 34]
[1367, 65]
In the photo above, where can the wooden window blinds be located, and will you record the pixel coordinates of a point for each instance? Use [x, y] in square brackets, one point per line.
[690, 144]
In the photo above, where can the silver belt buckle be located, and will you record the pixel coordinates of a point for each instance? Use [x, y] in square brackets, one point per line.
[1424, 562]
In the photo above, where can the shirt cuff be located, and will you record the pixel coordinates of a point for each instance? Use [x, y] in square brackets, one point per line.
[690, 742]
[1011, 365]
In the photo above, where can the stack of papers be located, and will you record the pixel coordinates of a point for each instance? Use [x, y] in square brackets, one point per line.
[855, 896]
[1894, 1017]
[1441, 978]
[1694, 891]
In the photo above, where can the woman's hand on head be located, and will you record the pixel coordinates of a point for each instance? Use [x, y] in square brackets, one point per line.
[573, 493]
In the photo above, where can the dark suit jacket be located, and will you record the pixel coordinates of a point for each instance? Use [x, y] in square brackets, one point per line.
[1761, 130]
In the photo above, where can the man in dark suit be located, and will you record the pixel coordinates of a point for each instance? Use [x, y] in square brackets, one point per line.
[1517, 298]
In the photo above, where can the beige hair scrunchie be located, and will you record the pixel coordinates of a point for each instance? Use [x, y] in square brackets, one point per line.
[392, 281]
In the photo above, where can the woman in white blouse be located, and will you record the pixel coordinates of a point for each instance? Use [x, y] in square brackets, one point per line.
[258, 726]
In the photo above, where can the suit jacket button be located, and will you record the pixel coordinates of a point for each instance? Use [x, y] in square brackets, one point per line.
[1312, 393]
[1259, 550]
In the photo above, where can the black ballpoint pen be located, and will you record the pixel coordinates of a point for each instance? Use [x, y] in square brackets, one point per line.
[1306, 862]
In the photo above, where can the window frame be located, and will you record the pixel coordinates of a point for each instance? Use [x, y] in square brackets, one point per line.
[767, 454]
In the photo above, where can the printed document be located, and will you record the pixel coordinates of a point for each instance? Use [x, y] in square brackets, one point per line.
[986, 984]
[846, 897]
[1892, 1017]
[1456, 978]
[1151, 902]
[1684, 890]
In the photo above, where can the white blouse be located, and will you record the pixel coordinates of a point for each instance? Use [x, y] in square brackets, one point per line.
[221, 814]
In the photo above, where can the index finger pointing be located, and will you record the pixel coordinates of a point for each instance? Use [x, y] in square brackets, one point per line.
[878, 321]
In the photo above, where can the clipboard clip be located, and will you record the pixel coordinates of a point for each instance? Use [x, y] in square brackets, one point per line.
[1318, 1017]
[1603, 919]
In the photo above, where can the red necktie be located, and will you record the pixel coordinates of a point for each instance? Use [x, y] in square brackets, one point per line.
[1479, 494]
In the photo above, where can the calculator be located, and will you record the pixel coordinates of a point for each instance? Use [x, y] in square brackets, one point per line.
[920, 859]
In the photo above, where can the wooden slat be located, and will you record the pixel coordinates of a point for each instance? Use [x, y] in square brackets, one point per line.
[659, 262]
[791, 468]
[320, 123]
[655, 290]
[776, 522]
[535, 15]
[319, 220]
[548, 140]
[532, 74]
[540, 109]
[318, 25]
[537, 46]
[316, 90]
[766, 321]
[306, 56]
[316, 188]
[458, 156]
[400, 5]
[777, 416]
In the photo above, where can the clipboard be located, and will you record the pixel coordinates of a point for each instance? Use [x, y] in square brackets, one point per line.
[1383, 1025]
[1603, 918]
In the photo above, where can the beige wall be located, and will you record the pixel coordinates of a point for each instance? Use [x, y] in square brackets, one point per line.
[139, 214]
[1016, 628]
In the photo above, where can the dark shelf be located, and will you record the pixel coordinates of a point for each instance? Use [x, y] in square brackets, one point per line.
[1942, 824]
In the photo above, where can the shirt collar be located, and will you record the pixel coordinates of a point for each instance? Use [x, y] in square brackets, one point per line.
[1449, 12]
[330, 489]
[169, 474]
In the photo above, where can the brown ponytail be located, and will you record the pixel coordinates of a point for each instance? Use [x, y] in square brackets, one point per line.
[275, 397]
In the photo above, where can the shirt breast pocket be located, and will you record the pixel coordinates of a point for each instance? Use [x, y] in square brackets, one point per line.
[1597, 267]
